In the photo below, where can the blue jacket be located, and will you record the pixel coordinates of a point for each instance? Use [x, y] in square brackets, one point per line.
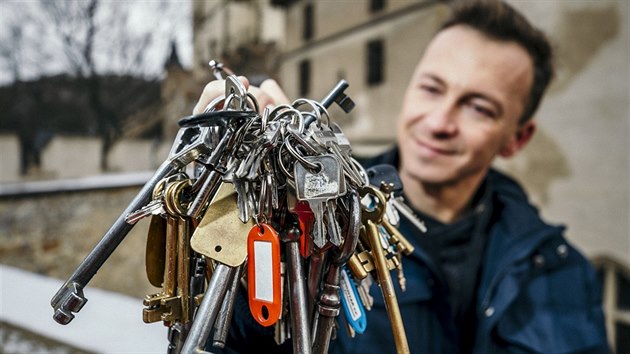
[537, 293]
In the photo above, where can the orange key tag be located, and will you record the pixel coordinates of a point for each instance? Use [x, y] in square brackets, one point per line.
[263, 274]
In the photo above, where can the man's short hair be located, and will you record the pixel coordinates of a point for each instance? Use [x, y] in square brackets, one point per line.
[500, 21]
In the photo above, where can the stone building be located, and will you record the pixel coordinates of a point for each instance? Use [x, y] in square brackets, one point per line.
[247, 36]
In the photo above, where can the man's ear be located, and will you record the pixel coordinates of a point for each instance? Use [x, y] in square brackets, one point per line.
[520, 138]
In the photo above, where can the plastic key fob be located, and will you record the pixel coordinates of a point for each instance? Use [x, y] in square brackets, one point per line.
[351, 303]
[263, 274]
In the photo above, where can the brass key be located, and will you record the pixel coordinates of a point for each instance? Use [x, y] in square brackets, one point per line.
[172, 304]
[371, 218]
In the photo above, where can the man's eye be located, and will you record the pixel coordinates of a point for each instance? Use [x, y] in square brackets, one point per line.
[484, 111]
[430, 89]
[480, 110]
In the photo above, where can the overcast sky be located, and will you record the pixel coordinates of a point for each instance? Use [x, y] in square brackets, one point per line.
[40, 49]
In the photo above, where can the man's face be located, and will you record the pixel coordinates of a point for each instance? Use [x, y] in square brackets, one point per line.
[462, 106]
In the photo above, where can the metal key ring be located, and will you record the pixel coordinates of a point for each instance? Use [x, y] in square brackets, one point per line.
[214, 104]
[304, 143]
[252, 103]
[317, 112]
[173, 194]
[361, 170]
[296, 119]
[279, 108]
[309, 165]
[284, 170]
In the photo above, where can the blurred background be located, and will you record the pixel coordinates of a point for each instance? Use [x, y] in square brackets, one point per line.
[91, 91]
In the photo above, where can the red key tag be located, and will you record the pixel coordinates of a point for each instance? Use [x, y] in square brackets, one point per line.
[306, 219]
[263, 274]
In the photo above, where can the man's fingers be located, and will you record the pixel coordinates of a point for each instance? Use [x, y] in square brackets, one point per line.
[213, 90]
[262, 98]
[273, 90]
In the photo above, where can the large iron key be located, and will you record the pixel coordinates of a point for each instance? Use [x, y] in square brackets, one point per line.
[329, 300]
[190, 143]
[70, 297]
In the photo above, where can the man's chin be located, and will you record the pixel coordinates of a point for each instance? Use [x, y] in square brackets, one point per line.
[430, 175]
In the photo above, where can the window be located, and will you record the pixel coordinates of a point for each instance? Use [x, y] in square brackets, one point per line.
[615, 279]
[305, 77]
[307, 33]
[377, 5]
[375, 62]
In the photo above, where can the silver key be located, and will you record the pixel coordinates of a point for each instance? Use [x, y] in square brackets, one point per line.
[334, 231]
[364, 292]
[317, 187]
[240, 185]
[155, 206]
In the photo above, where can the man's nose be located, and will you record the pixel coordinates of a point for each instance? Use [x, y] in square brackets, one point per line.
[442, 119]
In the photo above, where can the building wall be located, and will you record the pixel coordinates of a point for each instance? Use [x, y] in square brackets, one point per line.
[576, 167]
[51, 234]
[405, 27]
[74, 157]
[9, 158]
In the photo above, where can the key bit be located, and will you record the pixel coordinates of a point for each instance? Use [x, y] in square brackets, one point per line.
[68, 299]
[338, 96]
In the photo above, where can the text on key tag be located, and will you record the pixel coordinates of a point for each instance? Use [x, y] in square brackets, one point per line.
[263, 274]
[352, 306]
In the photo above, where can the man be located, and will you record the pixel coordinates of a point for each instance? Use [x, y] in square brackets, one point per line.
[489, 276]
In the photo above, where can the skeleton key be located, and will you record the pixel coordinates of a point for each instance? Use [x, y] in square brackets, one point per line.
[163, 306]
[156, 250]
[371, 219]
[190, 143]
[282, 329]
[173, 303]
[317, 187]
[69, 298]
[263, 274]
[297, 289]
[329, 299]
[224, 319]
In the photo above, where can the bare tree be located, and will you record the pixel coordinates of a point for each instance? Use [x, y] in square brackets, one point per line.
[88, 39]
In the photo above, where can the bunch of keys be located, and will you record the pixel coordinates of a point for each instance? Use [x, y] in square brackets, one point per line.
[270, 204]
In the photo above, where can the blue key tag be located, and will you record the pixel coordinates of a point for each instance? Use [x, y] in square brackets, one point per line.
[352, 306]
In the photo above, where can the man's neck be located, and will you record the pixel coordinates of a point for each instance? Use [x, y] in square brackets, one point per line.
[443, 202]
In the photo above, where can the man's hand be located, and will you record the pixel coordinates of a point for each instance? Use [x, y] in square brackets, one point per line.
[268, 94]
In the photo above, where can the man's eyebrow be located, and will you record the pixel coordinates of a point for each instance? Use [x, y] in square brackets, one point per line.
[433, 77]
